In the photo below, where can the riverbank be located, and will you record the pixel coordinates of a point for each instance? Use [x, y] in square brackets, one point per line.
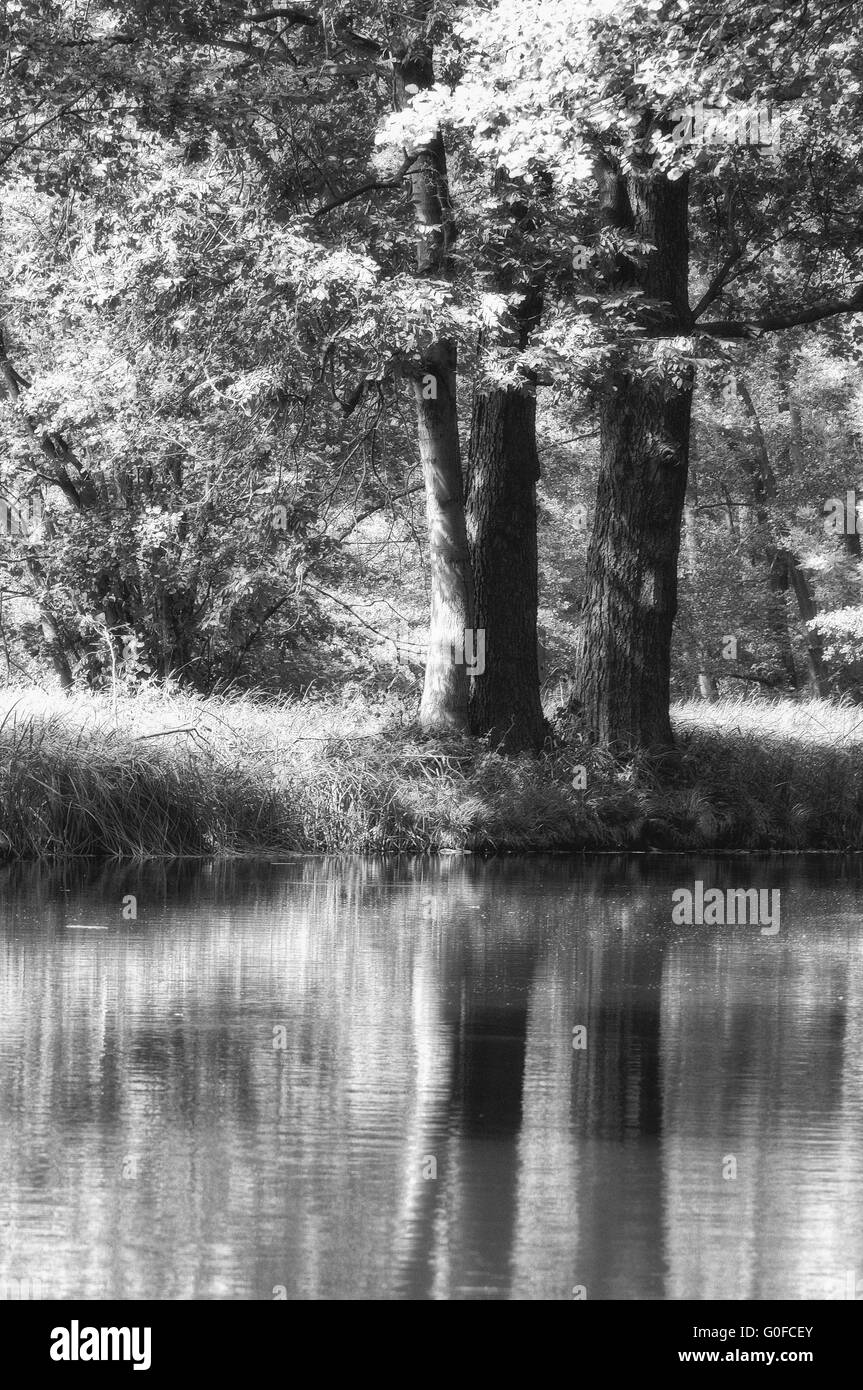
[161, 773]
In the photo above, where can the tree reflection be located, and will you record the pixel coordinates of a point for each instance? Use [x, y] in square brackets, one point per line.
[357, 1078]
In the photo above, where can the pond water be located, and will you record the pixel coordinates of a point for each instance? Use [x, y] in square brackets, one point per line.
[408, 1079]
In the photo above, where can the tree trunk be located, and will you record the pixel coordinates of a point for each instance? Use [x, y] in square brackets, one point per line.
[503, 469]
[444, 704]
[777, 614]
[784, 566]
[54, 644]
[623, 653]
[808, 609]
[55, 648]
[451, 644]
[707, 687]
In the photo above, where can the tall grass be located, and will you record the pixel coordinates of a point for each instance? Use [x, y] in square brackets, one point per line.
[162, 773]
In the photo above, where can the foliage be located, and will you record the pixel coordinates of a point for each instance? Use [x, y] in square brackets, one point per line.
[212, 310]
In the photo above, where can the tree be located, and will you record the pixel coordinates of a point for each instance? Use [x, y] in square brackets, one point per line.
[220, 86]
[610, 83]
[503, 471]
[444, 703]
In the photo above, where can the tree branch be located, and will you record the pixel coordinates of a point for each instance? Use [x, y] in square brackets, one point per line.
[107, 39]
[369, 187]
[738, 676]
[291, 13]
[49, 120]
[789, 318]
[54, 447]
[318, 590]
[378, 507]
[718, 282]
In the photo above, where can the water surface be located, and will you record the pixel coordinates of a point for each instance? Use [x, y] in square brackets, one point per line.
[357, 1079]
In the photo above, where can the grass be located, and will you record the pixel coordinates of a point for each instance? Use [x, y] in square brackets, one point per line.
[163, 773]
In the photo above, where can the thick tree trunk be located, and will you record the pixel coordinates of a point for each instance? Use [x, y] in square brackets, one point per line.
[503, 469]
[621, 690]
[623, 651]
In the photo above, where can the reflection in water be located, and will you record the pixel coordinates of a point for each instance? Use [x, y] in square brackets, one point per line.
[357, 1079]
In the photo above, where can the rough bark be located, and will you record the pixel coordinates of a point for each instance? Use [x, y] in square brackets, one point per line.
[623, 651]
[503, 470]
[621, 689]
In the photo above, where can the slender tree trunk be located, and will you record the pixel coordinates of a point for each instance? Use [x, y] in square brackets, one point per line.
[54, 449]
[54, 647]
[777, 613]
[763, 550]
[501, 514]
[784, 565]
[808, 609]
[707, 688]
[623, 651]
[851, 539]
[444, 704]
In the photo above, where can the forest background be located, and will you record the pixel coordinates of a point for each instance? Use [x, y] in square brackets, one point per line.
[471, 391]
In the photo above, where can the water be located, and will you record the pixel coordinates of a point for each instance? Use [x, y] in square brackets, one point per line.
[357, 1079]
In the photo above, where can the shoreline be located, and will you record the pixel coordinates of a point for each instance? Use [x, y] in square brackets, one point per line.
[152, 774]
[264, 857]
